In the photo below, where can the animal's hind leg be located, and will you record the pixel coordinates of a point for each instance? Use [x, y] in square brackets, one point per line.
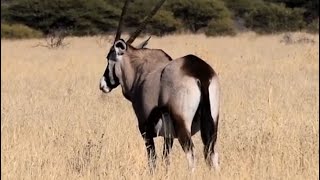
[187, 146]
[168, 136]
[182, 104]
[167, 146]
[209, 138]
[184, 137]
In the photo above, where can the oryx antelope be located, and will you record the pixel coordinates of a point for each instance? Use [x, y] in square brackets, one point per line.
[171, 98]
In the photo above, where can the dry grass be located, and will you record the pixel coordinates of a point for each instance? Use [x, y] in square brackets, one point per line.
[56, 124]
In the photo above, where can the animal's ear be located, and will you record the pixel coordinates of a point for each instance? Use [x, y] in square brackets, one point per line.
[120, 46]
[144, 43]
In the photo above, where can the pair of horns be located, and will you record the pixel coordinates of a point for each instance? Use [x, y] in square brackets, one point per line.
[134, 35]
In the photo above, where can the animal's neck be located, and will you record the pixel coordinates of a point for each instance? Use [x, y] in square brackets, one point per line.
[137, 65]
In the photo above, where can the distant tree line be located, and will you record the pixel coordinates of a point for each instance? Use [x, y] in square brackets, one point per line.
[25, 18]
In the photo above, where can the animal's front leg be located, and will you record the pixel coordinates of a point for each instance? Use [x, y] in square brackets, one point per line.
[149, 143]
[151, 153]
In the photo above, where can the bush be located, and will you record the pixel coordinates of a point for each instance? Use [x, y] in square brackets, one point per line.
[312, 10]
[220, 27]
[137, 11]
[242, 7]
[313, 27]
[90, 17]
[196, 14]
[163, 23]
[311, 7]
[270, 17]
[19, 31]
[80, 17]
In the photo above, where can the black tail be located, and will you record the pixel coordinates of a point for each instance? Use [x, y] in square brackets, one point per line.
[208, 128]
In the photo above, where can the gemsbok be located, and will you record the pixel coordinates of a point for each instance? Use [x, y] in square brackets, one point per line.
[171, 98]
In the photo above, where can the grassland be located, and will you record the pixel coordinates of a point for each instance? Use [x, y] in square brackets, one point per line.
[56, 124]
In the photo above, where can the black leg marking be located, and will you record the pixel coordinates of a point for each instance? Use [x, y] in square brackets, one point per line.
[167, 146]
[209, 138]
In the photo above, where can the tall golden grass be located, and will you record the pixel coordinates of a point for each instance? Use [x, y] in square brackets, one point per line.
[56, 124]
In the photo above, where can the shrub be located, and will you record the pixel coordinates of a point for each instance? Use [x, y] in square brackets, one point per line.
[312, 10]
[163, 23]
[137, 11]
[313, 27]
[196, 14]
[80, 17]
[90, 17]
[270, 17]
[242, 7]
[311, 7]
[19, 31]
[220, 27]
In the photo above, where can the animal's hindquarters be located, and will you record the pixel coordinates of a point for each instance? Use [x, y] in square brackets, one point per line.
[182, 102]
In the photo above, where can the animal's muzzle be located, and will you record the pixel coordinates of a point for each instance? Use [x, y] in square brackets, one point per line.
[103, 85]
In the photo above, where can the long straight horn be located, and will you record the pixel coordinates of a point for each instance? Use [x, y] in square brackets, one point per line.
[144, 22]
[124, 10]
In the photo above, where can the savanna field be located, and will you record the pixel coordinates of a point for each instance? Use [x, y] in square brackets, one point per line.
[56, 124]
